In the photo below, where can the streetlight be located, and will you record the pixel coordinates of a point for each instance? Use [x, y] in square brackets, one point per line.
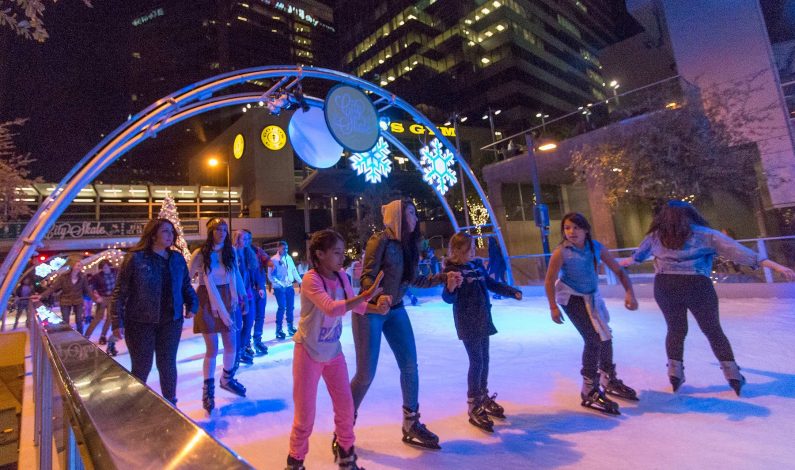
[455, 119]
[614, 85]
[214, 162]
[543, 118]
[540, 210]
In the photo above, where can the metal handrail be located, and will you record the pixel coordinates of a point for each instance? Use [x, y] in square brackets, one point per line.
[108, 418]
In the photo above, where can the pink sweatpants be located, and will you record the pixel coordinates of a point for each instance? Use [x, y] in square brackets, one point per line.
[306, 375]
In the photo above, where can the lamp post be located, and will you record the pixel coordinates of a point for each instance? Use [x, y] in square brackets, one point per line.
[214, 162]
[540, 210]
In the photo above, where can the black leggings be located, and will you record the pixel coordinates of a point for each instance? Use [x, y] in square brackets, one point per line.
[596, 354]
[478, 375]
[675, 294]
[161, 340]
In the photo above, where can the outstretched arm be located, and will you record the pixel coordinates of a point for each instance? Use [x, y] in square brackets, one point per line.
[630, 302]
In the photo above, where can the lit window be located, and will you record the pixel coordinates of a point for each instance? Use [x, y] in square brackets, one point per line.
[500, 27]
[485, 60]
[489, 34]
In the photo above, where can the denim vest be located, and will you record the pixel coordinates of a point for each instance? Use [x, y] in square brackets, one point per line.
[578, 270]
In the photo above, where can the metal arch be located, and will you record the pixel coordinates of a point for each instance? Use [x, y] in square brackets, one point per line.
[186, 102]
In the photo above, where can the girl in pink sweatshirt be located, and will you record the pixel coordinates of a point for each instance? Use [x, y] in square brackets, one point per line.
[325, 297]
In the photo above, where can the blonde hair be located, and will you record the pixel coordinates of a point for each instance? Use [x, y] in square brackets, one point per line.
[458, 243]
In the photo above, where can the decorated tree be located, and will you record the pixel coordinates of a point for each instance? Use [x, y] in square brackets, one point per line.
[169, 211]
[13, 175]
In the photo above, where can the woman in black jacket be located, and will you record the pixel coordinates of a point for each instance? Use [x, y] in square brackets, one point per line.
[394, 251]
[151, 293]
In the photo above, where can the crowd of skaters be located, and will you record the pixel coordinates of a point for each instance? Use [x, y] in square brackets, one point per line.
[152, 295]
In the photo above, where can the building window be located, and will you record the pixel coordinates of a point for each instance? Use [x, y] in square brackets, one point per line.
[569, 26]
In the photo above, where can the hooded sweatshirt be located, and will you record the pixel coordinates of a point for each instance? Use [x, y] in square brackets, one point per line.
[384, 252]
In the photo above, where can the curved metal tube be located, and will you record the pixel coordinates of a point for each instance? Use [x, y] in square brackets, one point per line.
[186, 102]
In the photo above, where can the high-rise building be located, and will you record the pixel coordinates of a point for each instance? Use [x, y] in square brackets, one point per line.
[523, 57]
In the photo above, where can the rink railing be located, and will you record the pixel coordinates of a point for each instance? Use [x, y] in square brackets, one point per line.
[91, 413]
[531, 269]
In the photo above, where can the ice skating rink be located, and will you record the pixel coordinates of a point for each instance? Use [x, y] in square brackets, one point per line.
[535, 369]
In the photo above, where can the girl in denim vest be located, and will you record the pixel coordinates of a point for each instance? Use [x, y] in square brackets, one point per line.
[572, 282]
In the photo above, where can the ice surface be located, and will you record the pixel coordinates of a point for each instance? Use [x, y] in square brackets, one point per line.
[535, 369]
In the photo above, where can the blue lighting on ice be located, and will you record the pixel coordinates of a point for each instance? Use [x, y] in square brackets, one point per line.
[374, 164]
[437, 166]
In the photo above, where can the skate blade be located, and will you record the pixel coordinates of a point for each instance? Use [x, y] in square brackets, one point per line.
[421, 445]
[498, 416]
[486, 428]
[609, 412]
[624, 397]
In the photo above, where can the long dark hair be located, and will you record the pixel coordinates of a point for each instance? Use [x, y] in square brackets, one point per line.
[249, 256]
[150, 232]
[227, 252]
[322, 241]
[672, 224]
[410, 242]
[580, 221]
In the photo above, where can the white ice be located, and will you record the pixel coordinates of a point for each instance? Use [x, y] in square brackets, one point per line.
[535, 369]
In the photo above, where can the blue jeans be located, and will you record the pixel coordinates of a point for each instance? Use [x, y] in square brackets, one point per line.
[396, 327]
[248, 321]
[285, 297]
[478, 376]
[259, 317]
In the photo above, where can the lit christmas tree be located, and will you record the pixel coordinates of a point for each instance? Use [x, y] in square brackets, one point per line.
[169, 211]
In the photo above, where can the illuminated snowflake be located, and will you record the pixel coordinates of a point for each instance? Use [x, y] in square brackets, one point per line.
[437, 166]
[374, 164]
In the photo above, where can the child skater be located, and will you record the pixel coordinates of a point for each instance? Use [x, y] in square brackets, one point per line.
[576, 260]
[325, 297]
[472, 313]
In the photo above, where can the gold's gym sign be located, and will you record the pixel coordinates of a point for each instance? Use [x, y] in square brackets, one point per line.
[273, 137]
[419, 129]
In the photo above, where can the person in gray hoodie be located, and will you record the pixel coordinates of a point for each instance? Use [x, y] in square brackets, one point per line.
[395, 251]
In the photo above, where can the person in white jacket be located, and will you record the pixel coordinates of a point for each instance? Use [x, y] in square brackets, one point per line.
[283, 275]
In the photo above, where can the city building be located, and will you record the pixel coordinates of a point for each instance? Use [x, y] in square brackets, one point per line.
[526, 58]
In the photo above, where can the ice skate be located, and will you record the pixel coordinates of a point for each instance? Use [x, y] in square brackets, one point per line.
[291, 330]
[347, 459]
[676, 373]
[208, 396]
[260, 348]
[280, 334]
[597, 400]
[478, 416]
[732, 373]
[294, 464]
[229, 384]
[612, 385]
[415, 433]
[112, 349]
[492, 408]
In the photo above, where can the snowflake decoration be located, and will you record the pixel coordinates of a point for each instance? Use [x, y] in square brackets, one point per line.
[374, 164]
[437, 166]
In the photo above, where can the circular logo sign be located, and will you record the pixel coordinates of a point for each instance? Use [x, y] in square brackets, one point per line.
[239, 146]
[273, 137]
[351, 118]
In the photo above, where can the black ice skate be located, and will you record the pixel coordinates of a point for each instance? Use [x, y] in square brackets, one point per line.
[597, 400]
[416, 434]
[612, 385]
[112, 348]
[280, 334]
[229, 384]
[294, 464]
[732, 373]
[478, 416]
[260, 348]
[208, 395]
[290, 330]
[492, 408]
[347, 459]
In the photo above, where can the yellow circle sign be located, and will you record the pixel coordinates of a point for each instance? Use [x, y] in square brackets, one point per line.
[273, 137]
[239, 146]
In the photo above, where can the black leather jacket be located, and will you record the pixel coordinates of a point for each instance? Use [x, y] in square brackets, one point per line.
[137, 293]
[386, 254]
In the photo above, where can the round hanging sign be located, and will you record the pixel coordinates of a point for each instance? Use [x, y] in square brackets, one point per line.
[311, 139]
[239, 146]
[351, 118]
[273, 137]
